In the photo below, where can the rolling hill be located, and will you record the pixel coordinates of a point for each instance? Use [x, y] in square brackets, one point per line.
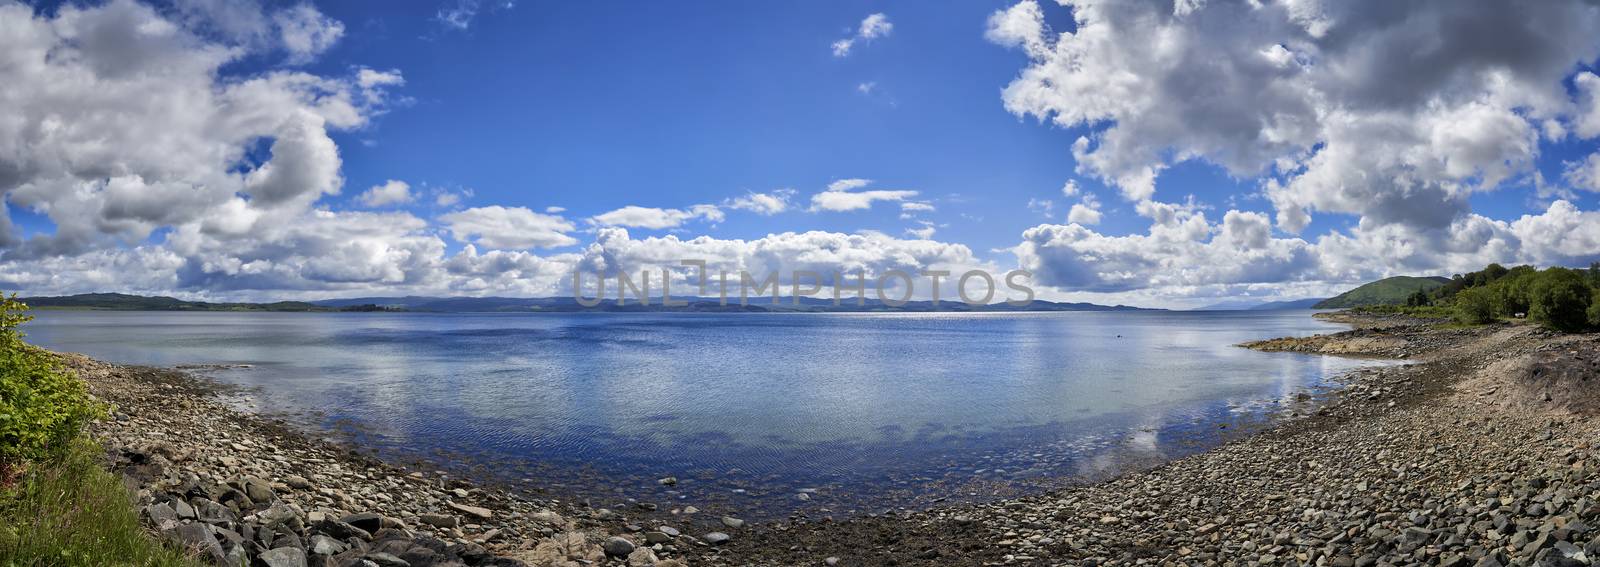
[1387, 291]
[126, 302]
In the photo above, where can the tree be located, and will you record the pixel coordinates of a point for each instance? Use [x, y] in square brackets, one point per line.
[1473, 306]
[1510, 293]
[1594, 309]
[1418, 298]
[1559, 299]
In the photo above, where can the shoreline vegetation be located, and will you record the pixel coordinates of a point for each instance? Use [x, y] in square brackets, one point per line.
[1481, 451]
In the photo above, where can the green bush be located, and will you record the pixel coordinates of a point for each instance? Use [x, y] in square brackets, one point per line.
[1594, 308]
[43, 406]
[1474, 307]
[1559, 299]
[1510, 293]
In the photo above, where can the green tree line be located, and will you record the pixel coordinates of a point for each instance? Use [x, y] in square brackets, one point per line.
[1563, 299]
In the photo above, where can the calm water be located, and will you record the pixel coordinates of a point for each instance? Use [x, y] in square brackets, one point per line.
[857, 411]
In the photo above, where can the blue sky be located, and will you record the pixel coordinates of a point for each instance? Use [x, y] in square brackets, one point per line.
[1258, 152]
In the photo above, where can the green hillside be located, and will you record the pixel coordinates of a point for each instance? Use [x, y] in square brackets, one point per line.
[1387, 291]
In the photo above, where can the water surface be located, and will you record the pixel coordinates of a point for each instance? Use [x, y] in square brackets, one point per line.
[856, 411]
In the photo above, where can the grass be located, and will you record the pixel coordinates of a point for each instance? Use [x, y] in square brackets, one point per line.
[74, 512]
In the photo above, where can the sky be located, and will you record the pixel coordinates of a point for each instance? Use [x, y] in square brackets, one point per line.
[1152, 153]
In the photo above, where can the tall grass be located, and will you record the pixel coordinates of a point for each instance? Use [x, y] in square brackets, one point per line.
[71, 511]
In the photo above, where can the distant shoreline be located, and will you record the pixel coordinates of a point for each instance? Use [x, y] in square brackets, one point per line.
[764, 304]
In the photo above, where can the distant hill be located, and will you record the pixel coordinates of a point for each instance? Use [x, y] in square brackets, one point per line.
[125, 302]
[1253, 305]
[697, 304]
[1387, 291]
[1308, 303]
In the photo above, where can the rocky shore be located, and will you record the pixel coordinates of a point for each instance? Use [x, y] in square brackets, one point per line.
[1481, 451]
[241, 489]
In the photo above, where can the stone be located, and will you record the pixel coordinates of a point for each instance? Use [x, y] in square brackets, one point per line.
[617, 546]
[160, 513]
[716, 538]
[324, 545]
[474, 511]
[184, 510]
[282, 557]
[369, 521]
[439, 520]
[642, 557]
[382, 559]
[258, 490]
[653, 538]
[668, 481]
[341, 530]
[198, 537]
[732, 522]
[210, 512]
[297, 482]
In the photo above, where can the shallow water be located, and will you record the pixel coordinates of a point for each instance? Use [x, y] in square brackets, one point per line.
[867, 411]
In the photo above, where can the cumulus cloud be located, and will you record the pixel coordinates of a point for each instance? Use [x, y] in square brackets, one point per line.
[1309, 95]
[1584, 174]
[119, 121]
[781, 256]
[392, 192]
[654, 218]
[1085, 212]
[845, 195]
[871, 27]
[305, 32]
[1183, 250]
[762, 203]
[495, 226]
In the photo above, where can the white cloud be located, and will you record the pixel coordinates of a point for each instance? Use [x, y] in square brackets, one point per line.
[1042, 206]
[1183, 252]
[391, 192]
[1308, 95]
[843, 195]
[762, 203]
[1584, 174]
[301, 31]
[871, 27]
[784, 254]
[555, 210]
[654, 218]
[495, 226]
[923, 232]
[1085, 213]
[306, 33]
[1587, 122]
[1181, 249]
[848, 184]
[118, 121]
[1070, 189]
